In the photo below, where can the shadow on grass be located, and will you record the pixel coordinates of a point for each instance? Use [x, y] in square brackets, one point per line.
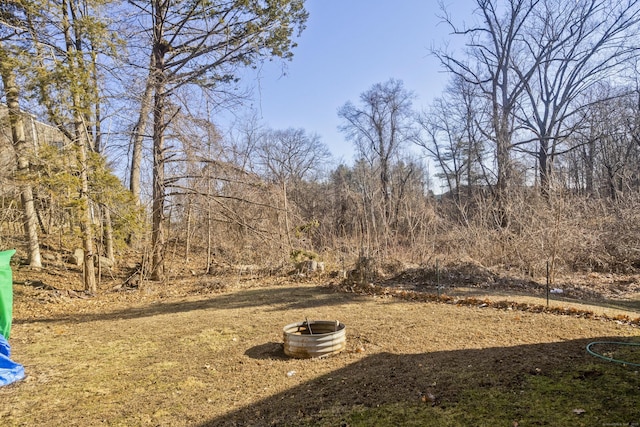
[277, 299]
[542, 384]
[268, 351]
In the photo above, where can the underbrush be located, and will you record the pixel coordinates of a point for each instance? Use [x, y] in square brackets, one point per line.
[570, 233]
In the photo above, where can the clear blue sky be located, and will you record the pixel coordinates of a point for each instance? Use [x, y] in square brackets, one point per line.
[348, 46]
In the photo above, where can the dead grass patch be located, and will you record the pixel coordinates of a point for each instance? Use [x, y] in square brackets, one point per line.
[214, 357]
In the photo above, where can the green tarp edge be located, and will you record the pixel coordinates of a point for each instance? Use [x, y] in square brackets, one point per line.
[6, 293]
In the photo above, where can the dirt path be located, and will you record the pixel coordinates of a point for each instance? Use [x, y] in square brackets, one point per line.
[216, 358]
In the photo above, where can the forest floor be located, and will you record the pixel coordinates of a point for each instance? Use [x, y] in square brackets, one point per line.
[206, 350]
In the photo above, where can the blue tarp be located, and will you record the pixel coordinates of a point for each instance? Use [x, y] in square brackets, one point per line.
[10, 371]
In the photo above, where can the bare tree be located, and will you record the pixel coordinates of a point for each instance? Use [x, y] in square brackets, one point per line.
[294, 160]
[291, 155]
[203, 46]
[606, 154]
[451, 136]
[379, 126]
[583, 43]
[501, 61]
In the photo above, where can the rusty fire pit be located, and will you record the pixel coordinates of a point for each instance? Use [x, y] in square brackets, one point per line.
[315, 338]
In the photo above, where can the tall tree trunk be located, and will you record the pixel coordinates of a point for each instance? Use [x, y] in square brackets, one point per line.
[108, 234]
[158, 231]
[20, 145]
[504, 166]
[589, 150]
[157, 214]
[85, 209]
[286, 216]
[543, 166]
[188, 234]
[138, 134]
[97, 141]
[209, 242]
[80, 132]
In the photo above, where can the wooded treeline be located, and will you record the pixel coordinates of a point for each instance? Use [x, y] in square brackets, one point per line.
[534, 145]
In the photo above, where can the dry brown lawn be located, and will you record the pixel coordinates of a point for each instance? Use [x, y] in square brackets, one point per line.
[155, 357]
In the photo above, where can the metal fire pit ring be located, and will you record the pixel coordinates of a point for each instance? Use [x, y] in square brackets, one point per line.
[314, 338]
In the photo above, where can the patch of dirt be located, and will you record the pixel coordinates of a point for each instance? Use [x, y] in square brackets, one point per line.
[207, 350]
